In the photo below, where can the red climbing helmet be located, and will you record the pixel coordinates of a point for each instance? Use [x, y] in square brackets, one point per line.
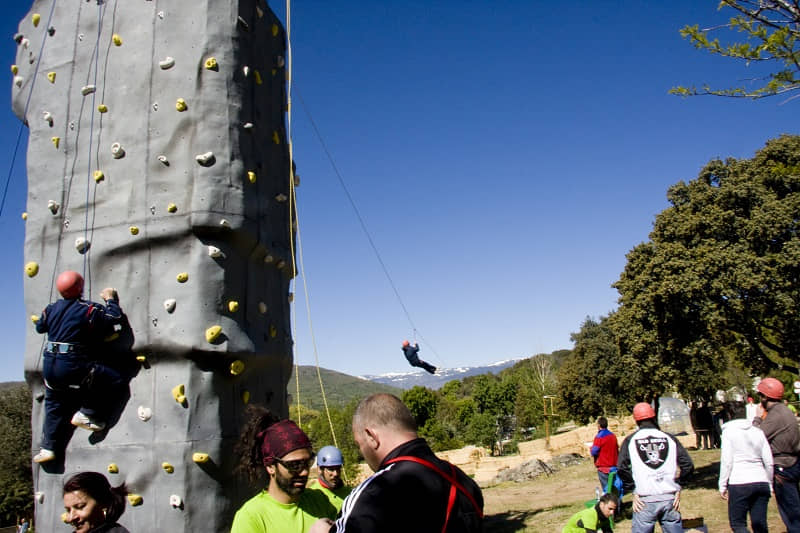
[771, 388]
[405, 343]
[70, 284]
[643, 411]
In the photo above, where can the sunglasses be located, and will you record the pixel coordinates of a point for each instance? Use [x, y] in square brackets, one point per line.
[297, 466]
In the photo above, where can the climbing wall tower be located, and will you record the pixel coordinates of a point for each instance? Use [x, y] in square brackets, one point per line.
[158, 164]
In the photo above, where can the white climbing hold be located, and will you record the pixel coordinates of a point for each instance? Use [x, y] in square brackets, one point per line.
[262, 307]
[246, 70]
[169, 304]
[117, 151]
[88, 89]
[205, 159]
[144, 413]
[259, 12]
[18, 80]
[248, 126]
[175, 501]
[166, 63]
[53, 206]
[224, 223]
[163, 159]
[38, 496]
[281, 197]
[72, 125]
[155, 106]
[48, 117]
[161, 15]
[280, 61]
[82, 245]
[215, 252]
[25, 43]
[268, 258]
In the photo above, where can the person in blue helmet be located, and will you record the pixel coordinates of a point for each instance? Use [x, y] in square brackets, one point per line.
[411, 354]
[78, 390]
[329, 480]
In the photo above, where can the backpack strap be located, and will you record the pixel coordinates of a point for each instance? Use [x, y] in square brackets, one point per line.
[455, 486]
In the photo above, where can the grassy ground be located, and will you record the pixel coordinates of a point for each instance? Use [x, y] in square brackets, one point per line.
[545, 504]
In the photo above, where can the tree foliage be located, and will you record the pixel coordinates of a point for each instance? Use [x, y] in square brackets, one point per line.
[719, 279]
[771, 31]
[16, 482]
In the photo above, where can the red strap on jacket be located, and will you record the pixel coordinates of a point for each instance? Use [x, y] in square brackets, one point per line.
[455, 486]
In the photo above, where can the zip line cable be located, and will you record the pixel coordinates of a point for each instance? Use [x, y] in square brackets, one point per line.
[363, 224]
[27, 105]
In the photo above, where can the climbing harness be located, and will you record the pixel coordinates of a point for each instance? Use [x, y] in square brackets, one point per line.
[455, 486]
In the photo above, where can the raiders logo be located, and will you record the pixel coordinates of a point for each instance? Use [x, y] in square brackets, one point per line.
[652, 451]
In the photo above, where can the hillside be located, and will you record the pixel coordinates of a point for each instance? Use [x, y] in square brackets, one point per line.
[340, 388]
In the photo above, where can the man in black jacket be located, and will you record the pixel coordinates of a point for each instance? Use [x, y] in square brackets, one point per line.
[412, 489]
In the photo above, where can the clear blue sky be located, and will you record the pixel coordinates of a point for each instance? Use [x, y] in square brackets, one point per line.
[505, 157]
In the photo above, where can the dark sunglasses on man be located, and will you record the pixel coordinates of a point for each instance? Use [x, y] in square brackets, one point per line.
[298, 465]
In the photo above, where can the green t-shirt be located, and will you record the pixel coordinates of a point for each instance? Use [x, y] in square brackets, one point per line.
[263, 514]
[587, 521]
[336, 496]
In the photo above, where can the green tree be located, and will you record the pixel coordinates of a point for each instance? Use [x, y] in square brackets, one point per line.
[16, 482]
[422, 402]
[719, 279]
[771, 37]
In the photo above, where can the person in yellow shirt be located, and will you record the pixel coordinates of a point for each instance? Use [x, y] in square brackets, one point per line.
[283, 450]
[329, 463]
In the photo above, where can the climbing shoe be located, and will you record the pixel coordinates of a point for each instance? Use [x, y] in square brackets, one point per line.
[83, 421]
[44, 455]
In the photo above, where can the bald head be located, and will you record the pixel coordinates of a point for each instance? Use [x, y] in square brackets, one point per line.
[381, 422]
[384, 410]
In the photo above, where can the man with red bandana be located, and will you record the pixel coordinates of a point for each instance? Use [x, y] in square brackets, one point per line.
[283, 450]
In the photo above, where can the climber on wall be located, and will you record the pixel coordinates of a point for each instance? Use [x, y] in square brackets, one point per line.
[411, 354]
[78, 390]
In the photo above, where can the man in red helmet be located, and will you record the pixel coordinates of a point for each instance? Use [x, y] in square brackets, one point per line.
[411, 354]
[78, 390]
[780, 427]
[651, 465]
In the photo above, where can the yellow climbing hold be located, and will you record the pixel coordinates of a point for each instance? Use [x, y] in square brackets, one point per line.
[35, 18]
[199, 457]
[257, 76]
[180, 105]
[245, 397]
[183, 277]
[211, 63]
[103, 108]
[141, 358]
[276, 138]
[171, 208]
[99, 176]
[113, 468]
[34, 318]
[135, 499]
[14, 69]
[179, 393]
[168, 468]
[116, 39]
[32, 268]
[251, 176]
[233, 306]
[273, 332]
[134, 230]
[24, 215]
[65, 517]
[213, 333]
[55, 141]
[237, 367]
[274, 30]
[51, 76]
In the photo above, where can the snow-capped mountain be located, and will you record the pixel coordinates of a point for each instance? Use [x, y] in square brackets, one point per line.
[406, 380]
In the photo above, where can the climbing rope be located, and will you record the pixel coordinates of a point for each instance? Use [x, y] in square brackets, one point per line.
[25, 112]
[294, 221]
[363, 224]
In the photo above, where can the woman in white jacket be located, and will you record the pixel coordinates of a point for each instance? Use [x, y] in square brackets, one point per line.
[745, 474]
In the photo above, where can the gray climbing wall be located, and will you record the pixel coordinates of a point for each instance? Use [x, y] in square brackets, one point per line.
[185, 121]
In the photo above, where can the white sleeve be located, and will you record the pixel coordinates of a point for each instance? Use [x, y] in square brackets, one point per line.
[726, 462]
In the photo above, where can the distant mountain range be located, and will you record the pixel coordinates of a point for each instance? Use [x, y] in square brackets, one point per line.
[340, 389]
[406, 380]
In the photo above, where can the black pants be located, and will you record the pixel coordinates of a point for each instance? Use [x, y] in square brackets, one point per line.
[416, 361]
[752, 498]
